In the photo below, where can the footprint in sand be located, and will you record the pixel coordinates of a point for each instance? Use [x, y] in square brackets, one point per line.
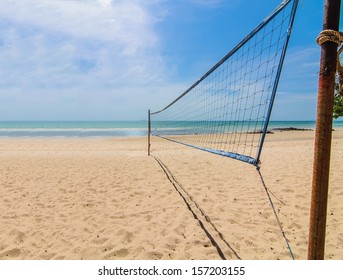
[121, 253]
[13, 253]
[154, 255]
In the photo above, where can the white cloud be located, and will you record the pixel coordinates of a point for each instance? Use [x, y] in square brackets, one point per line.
[304, 57]
[214, 3]
[78, 41]
[106, 3]
[95, 50]
[126, 23]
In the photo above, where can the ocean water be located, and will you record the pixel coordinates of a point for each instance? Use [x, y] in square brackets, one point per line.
[111, 128]
[73, 128]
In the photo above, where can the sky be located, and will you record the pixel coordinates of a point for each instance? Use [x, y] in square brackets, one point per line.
[115, 59]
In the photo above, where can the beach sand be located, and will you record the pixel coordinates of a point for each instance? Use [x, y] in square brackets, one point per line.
[106, 199]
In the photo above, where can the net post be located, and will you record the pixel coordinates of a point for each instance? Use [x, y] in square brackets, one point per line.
[276, 83]
[322, 148]
[149, 132]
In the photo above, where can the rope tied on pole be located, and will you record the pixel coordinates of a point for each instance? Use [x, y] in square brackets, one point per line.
[330, 35]
[334, 36]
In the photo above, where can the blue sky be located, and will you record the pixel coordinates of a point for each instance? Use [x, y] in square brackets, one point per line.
[114, 59]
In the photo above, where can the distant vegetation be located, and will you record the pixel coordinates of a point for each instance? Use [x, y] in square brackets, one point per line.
[338, 103]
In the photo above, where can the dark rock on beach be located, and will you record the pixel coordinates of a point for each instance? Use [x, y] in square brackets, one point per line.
[260, 131]
[291, 129]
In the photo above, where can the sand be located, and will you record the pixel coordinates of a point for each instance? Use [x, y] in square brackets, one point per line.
[106, 199]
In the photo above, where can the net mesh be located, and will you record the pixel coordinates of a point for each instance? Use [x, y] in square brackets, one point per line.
[227, 111]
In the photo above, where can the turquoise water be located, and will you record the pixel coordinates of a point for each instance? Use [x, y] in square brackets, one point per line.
[73, 128]
[110, 128]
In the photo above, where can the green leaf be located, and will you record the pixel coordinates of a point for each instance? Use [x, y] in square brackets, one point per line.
[338, 104]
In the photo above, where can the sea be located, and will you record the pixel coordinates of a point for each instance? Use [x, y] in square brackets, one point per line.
[111, 128]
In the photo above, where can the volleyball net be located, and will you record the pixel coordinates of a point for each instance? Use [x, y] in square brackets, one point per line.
[227, 111]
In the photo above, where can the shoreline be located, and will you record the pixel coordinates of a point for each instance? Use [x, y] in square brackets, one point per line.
[269, 131]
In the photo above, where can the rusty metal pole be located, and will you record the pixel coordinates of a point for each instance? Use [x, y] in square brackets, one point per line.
[322, 149]
[149, 132]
